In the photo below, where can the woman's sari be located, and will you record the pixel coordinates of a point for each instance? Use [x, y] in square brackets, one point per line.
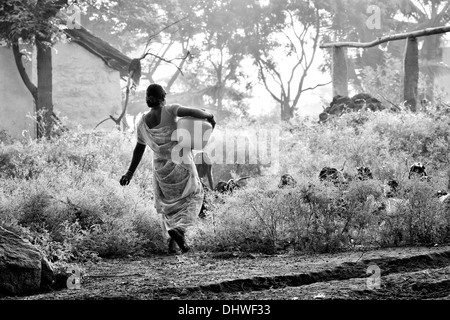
[178, 190]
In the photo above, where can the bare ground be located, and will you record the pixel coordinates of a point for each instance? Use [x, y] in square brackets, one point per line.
[406, 273]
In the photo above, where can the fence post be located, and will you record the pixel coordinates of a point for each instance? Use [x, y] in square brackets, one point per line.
[411, 72]
[339, 72]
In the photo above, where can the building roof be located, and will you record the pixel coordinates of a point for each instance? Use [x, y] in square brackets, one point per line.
[110, 55]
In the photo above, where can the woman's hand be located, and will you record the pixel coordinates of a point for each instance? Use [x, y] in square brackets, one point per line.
[137, 156]
[126, 178]
[211, 121]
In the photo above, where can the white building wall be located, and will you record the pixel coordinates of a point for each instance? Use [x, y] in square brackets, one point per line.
[16, 101]
[85, 90]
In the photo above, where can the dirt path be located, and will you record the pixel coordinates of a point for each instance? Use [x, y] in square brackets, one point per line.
[405, 273]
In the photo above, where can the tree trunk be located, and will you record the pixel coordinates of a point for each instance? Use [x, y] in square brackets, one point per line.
[339, 72]
[219, 95]
[287, 112]
[44, 103]
[411, 69]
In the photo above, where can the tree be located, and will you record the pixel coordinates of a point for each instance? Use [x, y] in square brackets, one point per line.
[287, 28]
[210, 52]
[144, 29]
[421, 14]
[140, 25]
[35, 23]
[124, 24]
[348, 22]
[218, 53]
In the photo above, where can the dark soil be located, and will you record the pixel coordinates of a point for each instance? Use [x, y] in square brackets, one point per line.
[405, 273]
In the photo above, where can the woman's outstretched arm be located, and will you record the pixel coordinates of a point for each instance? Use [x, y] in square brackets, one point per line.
[135, 160]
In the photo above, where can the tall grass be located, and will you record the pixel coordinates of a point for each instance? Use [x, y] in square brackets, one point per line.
[64, 195]
[66, 192]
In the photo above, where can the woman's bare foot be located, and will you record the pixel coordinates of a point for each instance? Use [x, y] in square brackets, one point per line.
[178, 236]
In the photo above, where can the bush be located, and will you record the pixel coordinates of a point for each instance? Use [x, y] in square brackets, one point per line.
[323, 218]
[64, 195]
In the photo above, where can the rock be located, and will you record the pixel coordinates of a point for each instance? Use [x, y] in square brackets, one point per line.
[47, 275]
[323, 117]
[341, 104]
[23, 269]
[363, 99]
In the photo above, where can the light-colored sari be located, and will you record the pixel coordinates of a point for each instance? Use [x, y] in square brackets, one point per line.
[178, 190]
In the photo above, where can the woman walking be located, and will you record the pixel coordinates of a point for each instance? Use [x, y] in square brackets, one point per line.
[178, 190]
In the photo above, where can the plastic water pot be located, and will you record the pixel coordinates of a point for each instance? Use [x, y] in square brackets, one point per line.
[193, 133]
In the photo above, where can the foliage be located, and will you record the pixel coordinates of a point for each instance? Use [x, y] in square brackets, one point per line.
[385, 81]
[64, 196]
[36, 23]
[319, 217]
[291, 30]
[346, 21]
[30, 20]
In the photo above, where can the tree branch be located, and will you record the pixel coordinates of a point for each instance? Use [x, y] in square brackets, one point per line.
[311, 60]
[177, 72]
[127, 95]
[276, 76]
[165, 60]
[23, 73]
[261, 70]
[165, 28]
[156, 62]
[319, 85]
[413, 34]
[103, 121]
